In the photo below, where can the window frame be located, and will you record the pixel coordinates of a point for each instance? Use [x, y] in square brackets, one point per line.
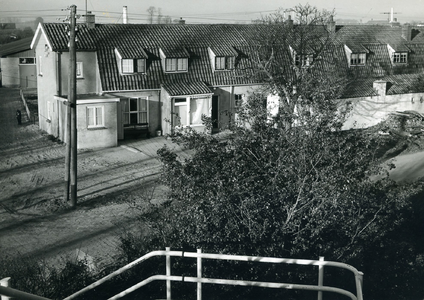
[358, 59]
[303, 61]
[21, 59]
[94, 116]
[127, 111]
[127, 66]
[79, 66]
[223, 63]
[238, 100]
[400, 57]
[176, 64]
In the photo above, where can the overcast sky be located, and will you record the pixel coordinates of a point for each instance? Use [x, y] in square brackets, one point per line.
[207, 11]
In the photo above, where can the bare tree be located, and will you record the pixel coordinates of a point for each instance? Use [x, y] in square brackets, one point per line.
[151, 11]
[167, 20]
[160, 16]
[296, 58]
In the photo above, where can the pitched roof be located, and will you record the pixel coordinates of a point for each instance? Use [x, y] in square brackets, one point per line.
[57, 34]
[194, 41]
[190, 41]
[15, 47]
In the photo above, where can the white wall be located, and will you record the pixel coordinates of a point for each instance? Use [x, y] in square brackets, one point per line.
[369, 111]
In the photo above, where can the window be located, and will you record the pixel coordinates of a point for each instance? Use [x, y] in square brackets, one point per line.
[303, 60]
[40, 71]
[135, 111]
[131, 66]
[224, 63]
[27, 60]
[141, 65]
[400, 57]
[238, 100]
[176, 64]
[95, 116]
[357, 59]
[80, 74]
[127, 66]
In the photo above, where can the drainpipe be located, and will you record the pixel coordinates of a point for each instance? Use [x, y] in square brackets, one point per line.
[59, 88]
[232, 106]
[59, 73]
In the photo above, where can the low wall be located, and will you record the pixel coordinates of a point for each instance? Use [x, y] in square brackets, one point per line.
[369, 111]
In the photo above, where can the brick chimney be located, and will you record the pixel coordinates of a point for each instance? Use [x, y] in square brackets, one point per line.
[381, 87]
[124, 15]
[407, 32]
[90, 20]
[331, 25]
[289, 21]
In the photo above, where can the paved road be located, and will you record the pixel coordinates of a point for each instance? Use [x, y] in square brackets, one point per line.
[112, 184]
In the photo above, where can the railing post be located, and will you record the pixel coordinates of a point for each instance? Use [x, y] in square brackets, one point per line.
[320, 277]
[199, 275]
[5, 282]
[359, 285]
[168, 273]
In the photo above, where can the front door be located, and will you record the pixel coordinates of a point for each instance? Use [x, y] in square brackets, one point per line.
[215, 113]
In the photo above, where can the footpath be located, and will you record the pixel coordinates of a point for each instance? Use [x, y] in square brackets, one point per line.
[113, 185]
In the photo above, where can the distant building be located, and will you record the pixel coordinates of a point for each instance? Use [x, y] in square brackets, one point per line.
[18, 64]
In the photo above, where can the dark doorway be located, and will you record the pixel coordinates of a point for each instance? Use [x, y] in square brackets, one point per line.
[215, 112]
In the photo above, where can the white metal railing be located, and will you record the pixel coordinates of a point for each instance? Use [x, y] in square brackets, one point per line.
[6, 292]
[200, 280]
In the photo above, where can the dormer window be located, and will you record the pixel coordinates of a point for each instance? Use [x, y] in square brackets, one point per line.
[174, 60]
[131, 66]
[356, 54]
[224, 62]
[400, 57]
[223, 58]
[357, 59]
[176, 64]
[303, 60]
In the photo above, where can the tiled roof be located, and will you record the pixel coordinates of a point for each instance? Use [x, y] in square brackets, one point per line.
[175, 52]
[15, 47]
[131, 52]
[187, 88]
[194, 41]
[57, 34]
[223, 51]
[396, 84]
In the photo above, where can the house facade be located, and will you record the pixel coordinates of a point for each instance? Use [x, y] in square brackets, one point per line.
[154, 76]
[157, 77]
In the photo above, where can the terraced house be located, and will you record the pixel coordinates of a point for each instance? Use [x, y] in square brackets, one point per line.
[154, 77]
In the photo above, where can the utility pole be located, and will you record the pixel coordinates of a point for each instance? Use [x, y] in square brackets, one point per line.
[71, 126]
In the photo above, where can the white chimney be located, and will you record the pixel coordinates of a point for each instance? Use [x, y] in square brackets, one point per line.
[391, 15]
[124, 15]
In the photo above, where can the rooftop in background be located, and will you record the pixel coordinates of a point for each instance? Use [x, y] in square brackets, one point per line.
[15, 47]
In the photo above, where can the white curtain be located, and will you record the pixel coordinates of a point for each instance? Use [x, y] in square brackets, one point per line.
[199, 107]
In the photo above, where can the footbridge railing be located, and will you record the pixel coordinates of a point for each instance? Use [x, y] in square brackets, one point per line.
[200, 280]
